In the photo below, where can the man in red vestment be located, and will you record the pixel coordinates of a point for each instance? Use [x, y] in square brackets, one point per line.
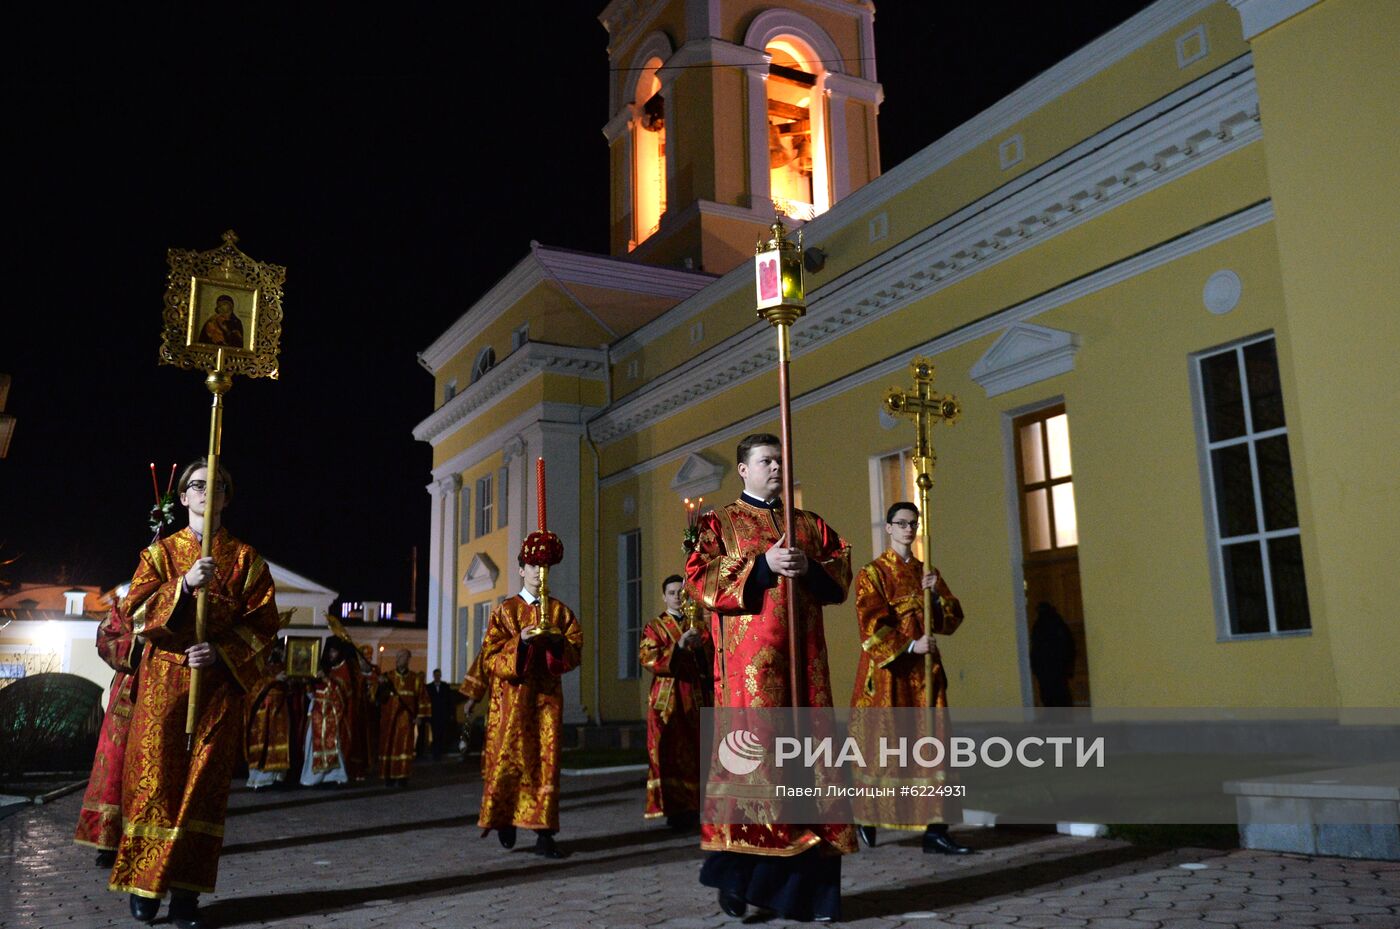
[100, 820]
[793, 869]
[173, 799]
[269, 725]
[680, 658]
[405, 703]
[523, 663]
[894, 641]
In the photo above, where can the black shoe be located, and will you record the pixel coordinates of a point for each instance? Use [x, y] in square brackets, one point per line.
[184, 910]
[106, 858]
[733, 904]
[867, 835]
[937, 840]
[507, 836]
[544, 845]
[388, 782]
[144, 909]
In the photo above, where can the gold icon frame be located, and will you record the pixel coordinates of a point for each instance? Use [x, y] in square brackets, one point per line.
[196, 282]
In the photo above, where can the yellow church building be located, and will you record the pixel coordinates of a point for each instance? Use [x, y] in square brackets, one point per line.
[1160, 278]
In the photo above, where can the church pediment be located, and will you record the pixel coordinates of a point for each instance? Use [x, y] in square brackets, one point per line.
[481, 574]
[1024, 355]
[696, 476]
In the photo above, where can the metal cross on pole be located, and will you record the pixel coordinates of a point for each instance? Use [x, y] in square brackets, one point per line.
[927, 409]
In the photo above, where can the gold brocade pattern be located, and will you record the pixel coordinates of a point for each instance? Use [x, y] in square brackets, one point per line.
[100, 819]
[681, 686]
[890, 616]
[406, 702]
[752, 661]
[174, 800]
[520, 764]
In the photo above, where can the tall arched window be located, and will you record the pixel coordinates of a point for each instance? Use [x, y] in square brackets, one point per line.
[648, 153]
[797, 154]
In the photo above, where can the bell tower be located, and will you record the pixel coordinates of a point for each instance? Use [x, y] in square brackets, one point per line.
[722, 108]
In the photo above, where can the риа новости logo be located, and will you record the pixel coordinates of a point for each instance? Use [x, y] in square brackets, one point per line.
[740, 752]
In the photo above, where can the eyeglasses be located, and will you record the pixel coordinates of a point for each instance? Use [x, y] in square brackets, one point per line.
[200, 487]
[905, 523]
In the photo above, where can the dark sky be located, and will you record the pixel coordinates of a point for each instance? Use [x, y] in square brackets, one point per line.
[398, 162]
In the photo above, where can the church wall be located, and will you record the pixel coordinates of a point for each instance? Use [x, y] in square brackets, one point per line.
[1327, 86]
[844, 29]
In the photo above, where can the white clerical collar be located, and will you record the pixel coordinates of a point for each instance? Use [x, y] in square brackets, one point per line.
[675, 613]
[751, 500]
[528, 597]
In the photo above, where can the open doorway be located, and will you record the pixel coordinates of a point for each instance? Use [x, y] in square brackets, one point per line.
[1054, 609]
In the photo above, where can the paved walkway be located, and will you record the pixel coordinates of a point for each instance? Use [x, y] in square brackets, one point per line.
[367, 856]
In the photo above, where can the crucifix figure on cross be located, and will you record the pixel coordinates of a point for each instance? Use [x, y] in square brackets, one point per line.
[927, 409]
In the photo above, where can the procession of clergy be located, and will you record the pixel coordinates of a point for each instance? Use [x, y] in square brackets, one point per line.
[155, 809]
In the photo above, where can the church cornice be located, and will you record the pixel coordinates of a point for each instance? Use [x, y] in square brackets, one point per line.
[896, 365]
[1187, 130]
[566, 266]
[524, 363]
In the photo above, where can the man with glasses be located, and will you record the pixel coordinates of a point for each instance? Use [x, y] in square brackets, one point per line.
[174, 799]
[894, 642]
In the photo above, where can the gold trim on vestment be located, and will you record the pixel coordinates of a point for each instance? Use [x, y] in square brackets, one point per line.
[168, 834]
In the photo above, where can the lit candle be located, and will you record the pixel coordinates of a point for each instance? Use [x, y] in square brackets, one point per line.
[154, 485]
[539, 492]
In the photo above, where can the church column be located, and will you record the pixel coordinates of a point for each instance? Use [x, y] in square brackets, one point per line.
[558, 444]
[442, 573]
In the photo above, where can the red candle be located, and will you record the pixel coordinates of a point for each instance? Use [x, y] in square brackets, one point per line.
[155, 486]
[539, 492]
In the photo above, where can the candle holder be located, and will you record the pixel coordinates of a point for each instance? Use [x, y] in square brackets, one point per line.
[690, 540]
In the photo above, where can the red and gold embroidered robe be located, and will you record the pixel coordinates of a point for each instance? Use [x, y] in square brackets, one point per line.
[890, 616]
[328, 719]
[174, 800]
[520, 766]
[100, 820]
[475, 682]
[749, 627]
[681, 686]
[406, 703]
[269, 723]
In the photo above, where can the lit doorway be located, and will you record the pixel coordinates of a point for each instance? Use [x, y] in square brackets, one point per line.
[1050, 558]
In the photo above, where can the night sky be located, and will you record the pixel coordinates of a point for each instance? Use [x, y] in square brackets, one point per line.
[398, 162]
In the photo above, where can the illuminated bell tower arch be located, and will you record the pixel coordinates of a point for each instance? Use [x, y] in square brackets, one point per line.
[721, 107]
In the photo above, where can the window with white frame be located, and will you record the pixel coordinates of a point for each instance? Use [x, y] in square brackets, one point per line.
[485, 504]
[629, 598]
[481, 615]
[503, 498]
[464, 526]
[462, 640]
[519, 336]
[1252, 519]
[891, 481]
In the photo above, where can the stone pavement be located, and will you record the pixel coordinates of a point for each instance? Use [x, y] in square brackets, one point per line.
[370, 856]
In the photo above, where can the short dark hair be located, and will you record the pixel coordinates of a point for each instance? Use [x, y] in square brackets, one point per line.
[753, 441]
[896, 507]
[185, 475]
[671, 579]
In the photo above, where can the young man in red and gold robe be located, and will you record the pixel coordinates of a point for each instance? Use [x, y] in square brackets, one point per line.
[269, 725]
[681, 659]
[793, 869]
[894, 642]
[100, 820]
[174, 800]
[405, 703]
[524, 661]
